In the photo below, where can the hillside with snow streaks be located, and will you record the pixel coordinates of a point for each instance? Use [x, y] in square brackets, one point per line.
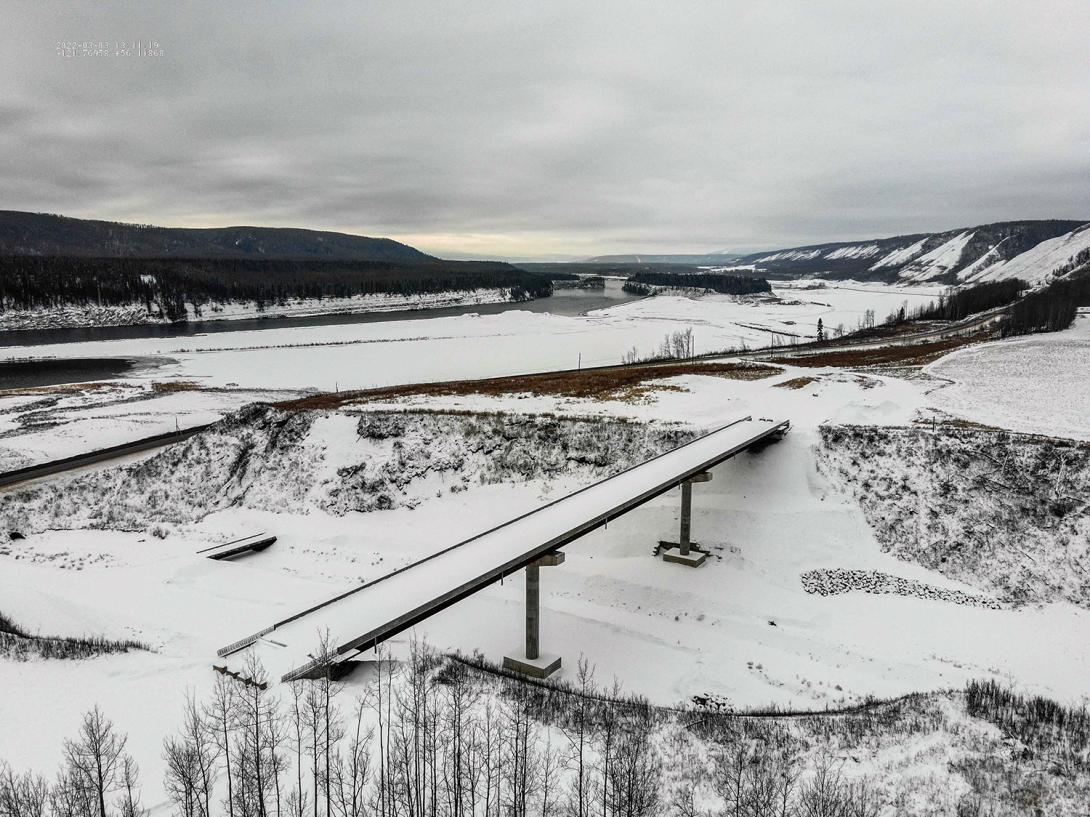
[900, 256]
[854, 251]
[939, 261]
[792, 255]
[1039, 264]
[1035, 251]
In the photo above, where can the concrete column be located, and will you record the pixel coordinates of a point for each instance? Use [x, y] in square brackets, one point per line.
[685, 551]
[533, 610]
[531, 661]
[686, 516]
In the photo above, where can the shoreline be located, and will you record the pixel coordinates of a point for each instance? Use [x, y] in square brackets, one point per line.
[92, 317]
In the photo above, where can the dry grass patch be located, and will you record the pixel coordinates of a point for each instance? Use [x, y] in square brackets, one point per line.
[796, 383]
[62, 388]
[172, 386]
[954, 422]
[628, 383]
[919, 354]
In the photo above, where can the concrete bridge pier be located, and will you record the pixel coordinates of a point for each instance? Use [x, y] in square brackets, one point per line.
[531, 661]
[683, 551]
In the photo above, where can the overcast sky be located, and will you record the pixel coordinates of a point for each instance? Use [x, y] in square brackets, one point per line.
[515, 128]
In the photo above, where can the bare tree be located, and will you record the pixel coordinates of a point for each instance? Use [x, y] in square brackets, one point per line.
[634, 771]
[94, 758]
[520, 751]
[276, 737]
[255, 710]
[321, 721]
[69, 797]
[24, 795]
[551, 766]
[220, 716]
[578, 730]
[351, 770]
[129, 783]
[198, 736]
[297, 799]
[180, 780]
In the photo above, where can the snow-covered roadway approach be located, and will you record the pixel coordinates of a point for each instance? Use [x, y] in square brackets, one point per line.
[367, 615]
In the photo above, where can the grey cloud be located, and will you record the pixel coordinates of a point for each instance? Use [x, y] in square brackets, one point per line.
[544, 127]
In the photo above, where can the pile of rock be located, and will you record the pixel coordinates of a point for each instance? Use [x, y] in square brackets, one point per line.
[834, 582]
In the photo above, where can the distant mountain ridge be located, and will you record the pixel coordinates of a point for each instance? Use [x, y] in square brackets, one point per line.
[1034, 251]
[23, 233]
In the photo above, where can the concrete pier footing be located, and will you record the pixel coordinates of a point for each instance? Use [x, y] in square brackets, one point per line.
[694, 558]
[541, 667]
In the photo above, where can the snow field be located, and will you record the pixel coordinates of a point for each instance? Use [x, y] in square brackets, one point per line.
[514, 342]
[1036, 384]
[664, 631]
[53, 424]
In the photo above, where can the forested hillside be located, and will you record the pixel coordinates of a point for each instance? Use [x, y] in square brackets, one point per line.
[165, 285]
[1050, 309]
[52, 235]
[645, 283]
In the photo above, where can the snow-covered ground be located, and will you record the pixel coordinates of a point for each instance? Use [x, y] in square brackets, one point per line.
[93, 315]
[1038, 384]
[50, 424]
[743, 628]
[253, 365]
[379, 302]
[514, 342]
[63, 317]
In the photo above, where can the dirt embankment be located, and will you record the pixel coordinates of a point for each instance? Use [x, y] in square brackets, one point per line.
[608, 383]
[1009, 513]
[267, 458]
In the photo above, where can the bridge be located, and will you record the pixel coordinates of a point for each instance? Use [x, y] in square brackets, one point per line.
[365, 616]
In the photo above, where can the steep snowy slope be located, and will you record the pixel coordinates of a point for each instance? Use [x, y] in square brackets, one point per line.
[939, 261]
[1032, 250]
[1040, 263]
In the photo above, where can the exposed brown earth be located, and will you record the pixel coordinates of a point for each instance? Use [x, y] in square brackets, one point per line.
[919, 354]
[796, 383]
[616, 383]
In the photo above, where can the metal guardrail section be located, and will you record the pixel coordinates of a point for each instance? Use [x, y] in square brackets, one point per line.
[243, 643]
[391, 628]
[44, 469]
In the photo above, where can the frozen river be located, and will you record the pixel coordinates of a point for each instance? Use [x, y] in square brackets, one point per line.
[562, 332]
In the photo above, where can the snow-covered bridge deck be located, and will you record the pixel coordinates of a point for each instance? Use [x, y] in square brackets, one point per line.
[365, 616]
